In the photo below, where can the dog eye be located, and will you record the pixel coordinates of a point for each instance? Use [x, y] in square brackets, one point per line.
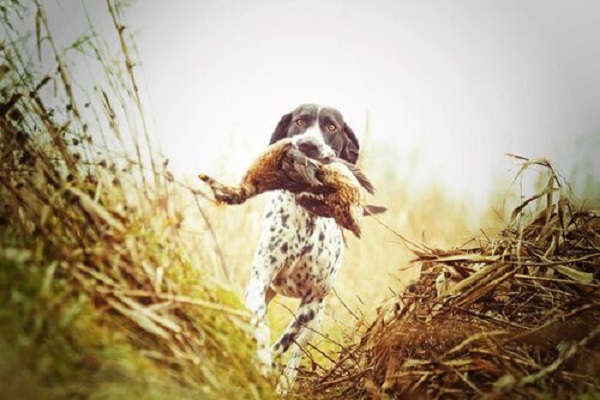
[299, 122]
[331, 128]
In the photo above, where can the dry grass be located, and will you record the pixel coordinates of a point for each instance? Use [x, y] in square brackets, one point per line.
[116, 281]
[516, 316]
[101, 294]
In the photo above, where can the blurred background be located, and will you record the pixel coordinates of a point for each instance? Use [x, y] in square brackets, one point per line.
[437, 91]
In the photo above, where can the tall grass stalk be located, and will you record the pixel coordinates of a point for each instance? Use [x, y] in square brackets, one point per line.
[101, 294]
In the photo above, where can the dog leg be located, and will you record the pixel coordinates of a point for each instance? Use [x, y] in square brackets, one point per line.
[266, 264]
[297, 335]
[287, 379]
[258, 294]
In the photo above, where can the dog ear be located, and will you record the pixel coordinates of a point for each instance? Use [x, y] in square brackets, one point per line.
[350, 147]
[281, 130]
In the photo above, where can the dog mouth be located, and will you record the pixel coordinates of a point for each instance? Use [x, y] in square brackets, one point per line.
[313, 148]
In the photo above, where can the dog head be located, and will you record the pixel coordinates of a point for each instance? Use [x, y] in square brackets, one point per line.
[325, 124]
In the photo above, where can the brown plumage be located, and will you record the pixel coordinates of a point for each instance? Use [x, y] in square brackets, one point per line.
[326, 185]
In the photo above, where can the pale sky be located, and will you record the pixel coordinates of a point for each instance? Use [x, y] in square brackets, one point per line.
[459, 83]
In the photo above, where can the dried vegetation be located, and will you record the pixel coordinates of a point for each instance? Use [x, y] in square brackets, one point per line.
[104, 295]
[517, 315]
[100, 294]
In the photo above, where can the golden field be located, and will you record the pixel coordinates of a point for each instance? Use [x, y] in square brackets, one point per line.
[118, 279]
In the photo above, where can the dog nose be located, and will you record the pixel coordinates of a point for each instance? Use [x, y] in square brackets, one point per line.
[310, 147]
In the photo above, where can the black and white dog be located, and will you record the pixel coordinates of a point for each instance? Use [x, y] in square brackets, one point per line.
[298, 254]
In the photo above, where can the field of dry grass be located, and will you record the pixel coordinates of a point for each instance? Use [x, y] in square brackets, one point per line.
[118, 279]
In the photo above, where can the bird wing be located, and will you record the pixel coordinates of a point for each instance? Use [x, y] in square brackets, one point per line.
[357, 172]
[315, 205]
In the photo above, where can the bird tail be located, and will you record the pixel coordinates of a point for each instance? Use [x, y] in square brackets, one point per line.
[373, 210]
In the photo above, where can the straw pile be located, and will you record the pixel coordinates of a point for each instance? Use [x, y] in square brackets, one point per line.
[516, 316]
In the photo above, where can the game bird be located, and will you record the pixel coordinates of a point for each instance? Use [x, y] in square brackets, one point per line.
[325, 184]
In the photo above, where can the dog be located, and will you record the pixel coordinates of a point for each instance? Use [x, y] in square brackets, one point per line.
[299, 253]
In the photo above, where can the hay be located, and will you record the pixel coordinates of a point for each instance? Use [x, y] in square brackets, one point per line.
[515, 316]
[100, 293]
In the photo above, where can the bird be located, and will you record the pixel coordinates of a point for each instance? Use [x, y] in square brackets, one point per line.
[324, 184]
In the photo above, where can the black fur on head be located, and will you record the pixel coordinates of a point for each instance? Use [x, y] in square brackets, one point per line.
[281, 130]
[336, 133]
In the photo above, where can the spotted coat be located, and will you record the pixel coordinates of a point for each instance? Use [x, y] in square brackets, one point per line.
[299, 254]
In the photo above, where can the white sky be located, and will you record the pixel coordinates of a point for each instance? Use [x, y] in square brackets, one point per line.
[460, 82]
